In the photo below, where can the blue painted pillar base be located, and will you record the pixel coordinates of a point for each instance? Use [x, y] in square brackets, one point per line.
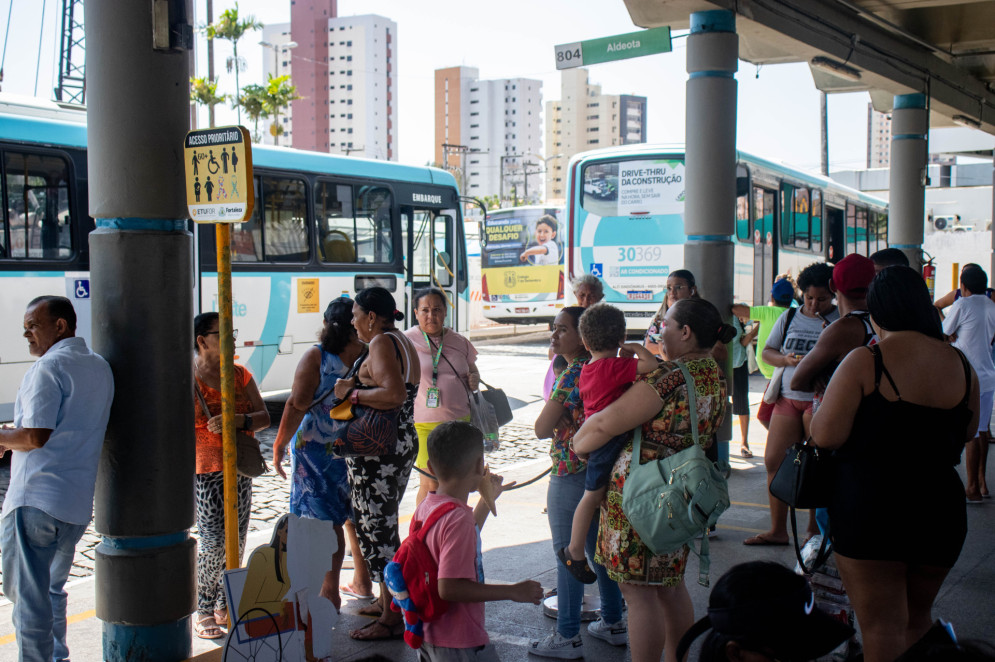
[169, 642]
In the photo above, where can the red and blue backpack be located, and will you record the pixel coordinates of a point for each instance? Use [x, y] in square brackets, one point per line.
[413, 579]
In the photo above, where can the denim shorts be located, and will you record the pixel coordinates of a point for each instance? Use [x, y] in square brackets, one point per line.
[601, 461]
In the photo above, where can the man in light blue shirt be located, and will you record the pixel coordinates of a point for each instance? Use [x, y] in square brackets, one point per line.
[60, 417]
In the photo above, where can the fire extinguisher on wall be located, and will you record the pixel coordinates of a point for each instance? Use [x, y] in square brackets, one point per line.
[929, 275]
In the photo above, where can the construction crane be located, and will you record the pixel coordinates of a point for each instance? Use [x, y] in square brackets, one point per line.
[72, 80]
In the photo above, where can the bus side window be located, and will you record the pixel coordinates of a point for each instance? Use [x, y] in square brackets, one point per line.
[285, 233]
[816, 221]
[743, 219]
[37, 223]
[336, 222]
[374, 228]
[800, 206]
[246, 238]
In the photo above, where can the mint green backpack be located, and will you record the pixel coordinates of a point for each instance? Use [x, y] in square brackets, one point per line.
[671, 501]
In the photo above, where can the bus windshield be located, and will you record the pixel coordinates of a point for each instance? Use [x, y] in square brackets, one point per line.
[630, 229]
[521, 254]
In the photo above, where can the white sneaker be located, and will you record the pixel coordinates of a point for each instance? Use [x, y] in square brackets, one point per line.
[555, 645]
[616, 634]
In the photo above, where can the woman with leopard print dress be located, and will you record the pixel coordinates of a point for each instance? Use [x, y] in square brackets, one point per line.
[388, 379]
[250, 416]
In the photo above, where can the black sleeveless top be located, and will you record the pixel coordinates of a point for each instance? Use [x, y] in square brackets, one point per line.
[896, 494]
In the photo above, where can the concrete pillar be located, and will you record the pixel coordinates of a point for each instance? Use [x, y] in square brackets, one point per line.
[710, 166]
[906, 214]
[142, 284]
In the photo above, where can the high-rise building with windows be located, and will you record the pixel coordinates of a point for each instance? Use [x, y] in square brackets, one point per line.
[488, 133]
[878, 138]
[585, 119]
[345, 70]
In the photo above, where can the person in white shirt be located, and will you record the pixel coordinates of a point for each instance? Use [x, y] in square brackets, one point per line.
[60, 417]
[970, 325]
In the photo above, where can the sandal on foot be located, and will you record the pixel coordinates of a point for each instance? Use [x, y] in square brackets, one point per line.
[207, 628]
[746, 452]
[761, 540]
[579, 569]
[353, 593]
[378, 631]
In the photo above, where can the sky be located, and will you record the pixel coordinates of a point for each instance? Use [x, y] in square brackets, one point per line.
[778, 109]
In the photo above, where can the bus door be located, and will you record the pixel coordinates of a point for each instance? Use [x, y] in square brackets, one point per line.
[764, 243]
[835, 229]
[430, 242]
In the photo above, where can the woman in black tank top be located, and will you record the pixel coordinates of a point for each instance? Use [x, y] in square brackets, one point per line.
[895, 434]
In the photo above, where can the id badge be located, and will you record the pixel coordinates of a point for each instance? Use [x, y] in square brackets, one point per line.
[432, 398]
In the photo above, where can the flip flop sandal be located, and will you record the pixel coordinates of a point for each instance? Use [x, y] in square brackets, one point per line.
[746, 452]
[761, 541]
[207, 628]
[348, 590]
[579, 569]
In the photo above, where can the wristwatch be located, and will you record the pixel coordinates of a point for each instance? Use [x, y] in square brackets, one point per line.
[247, 423]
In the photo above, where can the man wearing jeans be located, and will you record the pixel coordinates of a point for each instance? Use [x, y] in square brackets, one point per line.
[60, 417]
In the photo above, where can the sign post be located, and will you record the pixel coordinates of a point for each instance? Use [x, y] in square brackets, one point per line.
[220, 190]
[610, 49]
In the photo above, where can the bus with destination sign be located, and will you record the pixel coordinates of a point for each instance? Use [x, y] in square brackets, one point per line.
[624, 223]
[322, 226]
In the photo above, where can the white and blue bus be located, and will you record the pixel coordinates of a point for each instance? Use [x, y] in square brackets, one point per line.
[625, 223]
[323, 226]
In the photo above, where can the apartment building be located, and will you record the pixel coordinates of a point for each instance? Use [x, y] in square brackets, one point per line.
[488, 132]
[345, 71]
[585, 119]
[878, 138]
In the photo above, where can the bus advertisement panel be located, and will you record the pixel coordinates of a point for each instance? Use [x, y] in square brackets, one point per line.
[630, 226]
[521, 262]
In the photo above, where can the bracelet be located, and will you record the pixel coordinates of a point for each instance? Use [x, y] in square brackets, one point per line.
[247, 423]
[354, 396]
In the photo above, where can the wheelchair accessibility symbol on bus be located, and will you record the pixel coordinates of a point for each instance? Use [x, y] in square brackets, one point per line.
[81, 289]
[597, 269]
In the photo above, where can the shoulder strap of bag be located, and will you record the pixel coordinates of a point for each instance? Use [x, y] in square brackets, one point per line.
[207, 411]
[455, 372]
[432, 518]
[787, 325]
[692, 399]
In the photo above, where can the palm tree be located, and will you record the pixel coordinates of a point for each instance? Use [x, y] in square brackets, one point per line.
[204, 92]
[254, 100]
[231, 27]
[279, 94]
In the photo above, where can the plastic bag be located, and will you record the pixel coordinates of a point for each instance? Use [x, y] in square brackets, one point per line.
[483, 417]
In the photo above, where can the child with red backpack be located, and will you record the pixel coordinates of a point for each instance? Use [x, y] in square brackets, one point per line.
[456, 459]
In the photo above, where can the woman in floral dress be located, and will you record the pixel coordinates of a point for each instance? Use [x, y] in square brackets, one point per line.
[653, 586]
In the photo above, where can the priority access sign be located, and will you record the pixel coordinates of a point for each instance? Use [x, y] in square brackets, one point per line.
[219, 174]
[609, 49]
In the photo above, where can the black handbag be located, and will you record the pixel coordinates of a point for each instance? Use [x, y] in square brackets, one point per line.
[498, 400]
[804, 480]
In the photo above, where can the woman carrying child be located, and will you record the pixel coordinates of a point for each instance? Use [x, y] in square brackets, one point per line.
[660, 608]
[560, 418]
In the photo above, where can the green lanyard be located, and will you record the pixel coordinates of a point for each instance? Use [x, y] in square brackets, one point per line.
[438, 355]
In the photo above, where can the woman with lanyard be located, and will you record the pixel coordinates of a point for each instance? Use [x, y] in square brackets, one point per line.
[448, 375]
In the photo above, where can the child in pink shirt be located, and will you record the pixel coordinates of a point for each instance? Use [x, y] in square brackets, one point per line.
[602, 380]
[456, 458]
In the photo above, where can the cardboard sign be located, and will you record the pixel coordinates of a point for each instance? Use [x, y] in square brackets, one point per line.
[219, 174]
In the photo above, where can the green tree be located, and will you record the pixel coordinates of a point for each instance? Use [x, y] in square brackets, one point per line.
[491, 201]
[254, 100]
[279, 94]
[204, 92]
[231, 27]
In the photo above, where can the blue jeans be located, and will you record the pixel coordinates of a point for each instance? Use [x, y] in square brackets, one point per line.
[37, 552]
[562, 497]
